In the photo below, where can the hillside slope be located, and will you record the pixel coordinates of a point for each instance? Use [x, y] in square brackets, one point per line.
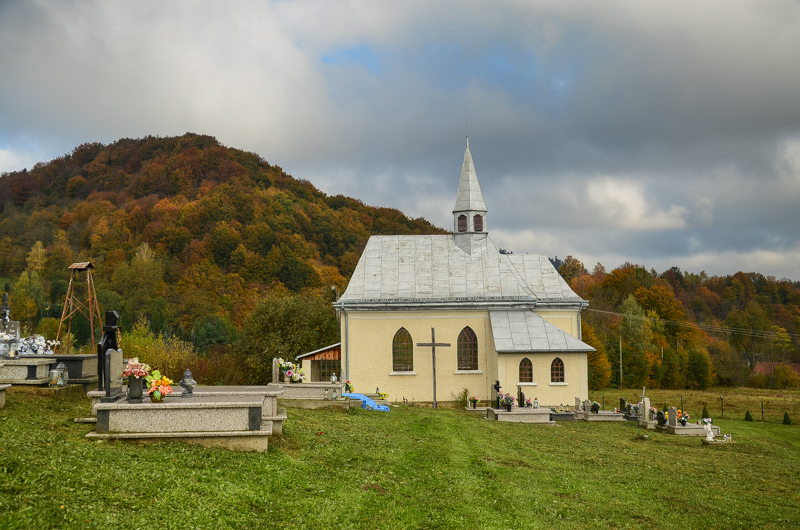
[179, 229]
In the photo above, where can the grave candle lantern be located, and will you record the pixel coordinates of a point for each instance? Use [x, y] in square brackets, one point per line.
[335, 394]
[333, 378]
[63, 374]
[54, 377]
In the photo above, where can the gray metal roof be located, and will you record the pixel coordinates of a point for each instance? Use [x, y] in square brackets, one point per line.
[525, 331]
[425, 268]
[469, 196]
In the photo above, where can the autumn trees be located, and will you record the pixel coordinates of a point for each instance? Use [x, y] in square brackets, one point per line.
[683, 330]
[183, 231]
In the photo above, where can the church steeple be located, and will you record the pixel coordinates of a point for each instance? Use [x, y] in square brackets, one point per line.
[469, 212]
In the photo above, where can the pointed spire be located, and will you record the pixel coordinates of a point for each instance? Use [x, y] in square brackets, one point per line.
[469, 197]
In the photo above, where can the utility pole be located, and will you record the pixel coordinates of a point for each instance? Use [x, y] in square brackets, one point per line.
[620, 361]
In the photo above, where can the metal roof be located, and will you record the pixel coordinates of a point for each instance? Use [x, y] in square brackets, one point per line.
[525, 331]
[325, 348]
[469, 196]
[428, 268]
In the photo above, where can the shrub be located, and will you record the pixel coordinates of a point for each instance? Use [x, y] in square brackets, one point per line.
[748, 416]
[705, 412]
[48, 328]
[786, 420]
[757, 381]
[461, 399]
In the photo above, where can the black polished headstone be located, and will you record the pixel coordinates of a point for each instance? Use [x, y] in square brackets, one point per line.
[107, 342]
[622, 403]
[112, 378]
[497, 388]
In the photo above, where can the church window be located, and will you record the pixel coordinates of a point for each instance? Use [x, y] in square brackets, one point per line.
[402, 351]
[525, 371]
[557, 371]
[462, 223]
[477, 222]
[467, 350]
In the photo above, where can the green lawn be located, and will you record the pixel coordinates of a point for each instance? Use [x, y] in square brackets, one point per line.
[409, 468]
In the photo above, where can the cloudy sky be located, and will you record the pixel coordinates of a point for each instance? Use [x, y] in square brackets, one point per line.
[662, 133]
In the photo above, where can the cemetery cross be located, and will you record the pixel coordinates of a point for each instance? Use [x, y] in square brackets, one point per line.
[433, 345]
[5, 311]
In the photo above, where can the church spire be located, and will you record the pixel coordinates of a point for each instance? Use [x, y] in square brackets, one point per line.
[469, 212]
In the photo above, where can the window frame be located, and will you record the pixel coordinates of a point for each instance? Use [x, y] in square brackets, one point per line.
[402, 351]
[527, 375]
[557, 371]
[467, 350]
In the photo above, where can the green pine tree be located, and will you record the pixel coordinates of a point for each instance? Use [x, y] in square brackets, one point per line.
[705, 412]
[786, 419]
[748, 416]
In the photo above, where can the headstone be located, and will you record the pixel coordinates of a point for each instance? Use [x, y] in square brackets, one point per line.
[276, 371]
[577, 404]
[107, 342]
[644, 411]
[113, 375]
[660, 418]
[622, 403]
[587, 405]
[673, 416]
[8, 327]
[497, 388]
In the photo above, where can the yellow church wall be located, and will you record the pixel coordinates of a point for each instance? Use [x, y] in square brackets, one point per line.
[370, 358]
[370, 353]
[566, 321]
[549, 394]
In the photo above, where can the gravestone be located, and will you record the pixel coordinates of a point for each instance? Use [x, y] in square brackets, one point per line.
[577, 404]
[622, 403]
[497, 388]
[276, 371]
[660, 418]
[112, 379]
[107, 342]
[673, 416]
[587, 405]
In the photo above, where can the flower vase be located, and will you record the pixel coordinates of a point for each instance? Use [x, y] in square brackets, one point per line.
[159, 399]
[134, 389]
[474, 404]
[683, 423]
[286, 378]
[508, 407]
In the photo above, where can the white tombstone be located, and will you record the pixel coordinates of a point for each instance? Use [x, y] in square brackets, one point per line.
[577, 404]
[709, 432]
[673, 416]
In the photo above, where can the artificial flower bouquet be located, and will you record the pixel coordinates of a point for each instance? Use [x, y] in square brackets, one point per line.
[595, 407]
[158, 385]
[348, 386]
[473, 401]
[383, 395]
[136, 369]
[506, 399]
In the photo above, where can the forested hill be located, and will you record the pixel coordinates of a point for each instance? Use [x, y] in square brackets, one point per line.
[179, 229]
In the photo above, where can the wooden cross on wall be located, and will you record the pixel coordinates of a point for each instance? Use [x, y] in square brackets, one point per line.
[433, 345]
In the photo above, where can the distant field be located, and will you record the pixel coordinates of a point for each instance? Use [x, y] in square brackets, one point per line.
[409, 468]
[737, 401]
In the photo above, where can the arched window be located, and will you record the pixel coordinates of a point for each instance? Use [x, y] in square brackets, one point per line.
[402, 351]
[477, 222]
[525, 371]
[467, 350]
[557, 371]
[462, 223]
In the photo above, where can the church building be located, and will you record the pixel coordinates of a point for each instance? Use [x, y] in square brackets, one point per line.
[496, 317]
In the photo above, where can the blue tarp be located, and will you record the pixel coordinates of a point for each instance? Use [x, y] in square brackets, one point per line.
[368, 403]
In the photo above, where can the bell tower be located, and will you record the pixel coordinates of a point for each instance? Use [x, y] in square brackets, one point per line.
[469, 212]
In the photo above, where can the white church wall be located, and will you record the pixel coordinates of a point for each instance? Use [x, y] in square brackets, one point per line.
[565, 320]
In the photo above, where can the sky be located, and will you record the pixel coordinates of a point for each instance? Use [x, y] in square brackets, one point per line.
[660, 133]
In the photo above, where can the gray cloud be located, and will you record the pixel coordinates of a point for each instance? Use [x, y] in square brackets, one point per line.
[666, 134]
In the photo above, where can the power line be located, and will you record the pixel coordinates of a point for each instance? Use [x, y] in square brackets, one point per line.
[704, 327]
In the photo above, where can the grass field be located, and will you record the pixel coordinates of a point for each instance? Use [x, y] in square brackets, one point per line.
[409, 468]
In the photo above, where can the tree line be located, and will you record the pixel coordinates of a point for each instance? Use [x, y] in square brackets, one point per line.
[678, 329]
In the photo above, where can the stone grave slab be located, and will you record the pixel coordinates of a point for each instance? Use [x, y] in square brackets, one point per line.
[603, 415]
[521, 415]
[226, 421]
[82, 369]
[33, 371]
[3, 389]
